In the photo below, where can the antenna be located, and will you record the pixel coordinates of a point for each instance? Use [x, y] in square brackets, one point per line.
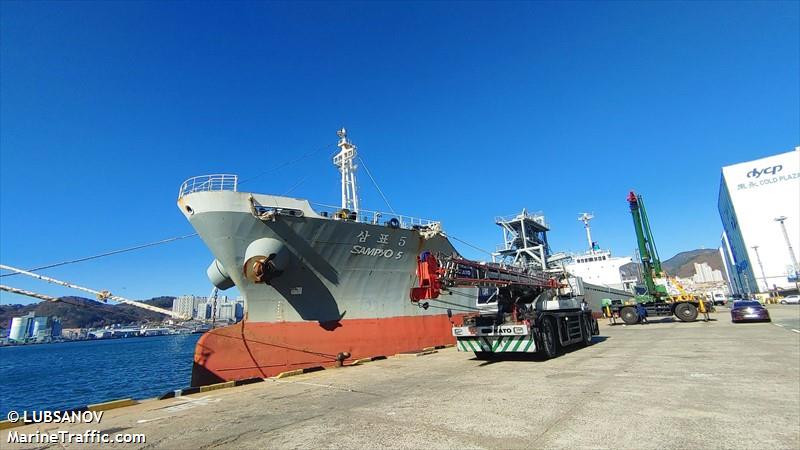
[344, 160]
[585, 218]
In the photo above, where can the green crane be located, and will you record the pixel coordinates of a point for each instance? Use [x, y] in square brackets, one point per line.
[651, 263]
[657, 301]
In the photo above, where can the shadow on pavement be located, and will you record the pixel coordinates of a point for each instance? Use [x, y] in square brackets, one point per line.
[494, 358]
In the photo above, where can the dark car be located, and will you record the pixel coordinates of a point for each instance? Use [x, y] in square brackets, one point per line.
[749, 310]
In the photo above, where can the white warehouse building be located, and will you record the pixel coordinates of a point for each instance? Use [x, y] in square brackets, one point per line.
[759, 205]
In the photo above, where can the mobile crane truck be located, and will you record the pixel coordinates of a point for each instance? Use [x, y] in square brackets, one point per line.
[656, 300]
[518, 310]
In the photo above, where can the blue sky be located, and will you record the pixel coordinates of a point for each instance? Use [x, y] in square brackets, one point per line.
[462, 111]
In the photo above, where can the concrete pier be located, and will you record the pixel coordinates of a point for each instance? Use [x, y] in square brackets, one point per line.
[663, 385]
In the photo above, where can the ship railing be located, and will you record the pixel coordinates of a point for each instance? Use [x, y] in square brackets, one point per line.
[373, 217]
[503, 247]
[215, 182]
[537, 217]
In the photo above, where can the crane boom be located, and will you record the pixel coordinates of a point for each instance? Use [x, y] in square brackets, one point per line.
[651, 264]
[454, 272]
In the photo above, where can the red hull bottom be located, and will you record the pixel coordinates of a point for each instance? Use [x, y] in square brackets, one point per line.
[259, 349]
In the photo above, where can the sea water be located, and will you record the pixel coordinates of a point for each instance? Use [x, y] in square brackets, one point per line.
[73, 374]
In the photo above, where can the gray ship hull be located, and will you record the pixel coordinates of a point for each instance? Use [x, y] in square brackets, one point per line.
[339, 289]
[334, 270]
[323, 290]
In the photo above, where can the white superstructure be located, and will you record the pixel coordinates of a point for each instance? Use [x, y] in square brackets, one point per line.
[598, 266]
[601, 268]
[759, 205]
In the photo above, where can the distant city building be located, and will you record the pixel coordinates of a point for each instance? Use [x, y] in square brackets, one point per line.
[225, 311]
[202, 308]
[239, 309]
[56, 328]
[184, 305]
[74, 333]
[196, 303]
[20, 328]
[704, 274]
[35, 328]
[203, 311]
[756, 200]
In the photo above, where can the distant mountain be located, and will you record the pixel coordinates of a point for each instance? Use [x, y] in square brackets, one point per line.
[79, 312]
[682, 264]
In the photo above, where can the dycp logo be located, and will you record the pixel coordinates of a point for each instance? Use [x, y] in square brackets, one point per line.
[755, 173]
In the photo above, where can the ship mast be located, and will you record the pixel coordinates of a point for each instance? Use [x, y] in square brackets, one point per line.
[344, 160]
[585, 218]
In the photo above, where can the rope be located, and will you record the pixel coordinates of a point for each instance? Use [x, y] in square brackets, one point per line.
[296, 185]
[115, 252]
[443, 307]
[376, 185]
[455, 304]
[101, 295]
[48, 298]
[14, 290]
[470, 245]
[287, 163]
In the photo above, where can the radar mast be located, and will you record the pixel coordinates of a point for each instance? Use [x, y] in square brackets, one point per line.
[345, 161]
[585, 218]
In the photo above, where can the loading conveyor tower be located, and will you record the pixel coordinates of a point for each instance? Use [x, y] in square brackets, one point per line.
[524, 241]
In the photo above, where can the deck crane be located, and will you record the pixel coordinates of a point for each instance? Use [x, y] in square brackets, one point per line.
[518, 310]
[657, 300]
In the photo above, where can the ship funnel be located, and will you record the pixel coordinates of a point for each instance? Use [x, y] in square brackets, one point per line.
[219, 276]
[265, 259]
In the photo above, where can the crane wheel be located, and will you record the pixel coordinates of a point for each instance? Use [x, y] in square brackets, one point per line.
[629, 315]
[549, 339]
[586, 330]
[686, 312]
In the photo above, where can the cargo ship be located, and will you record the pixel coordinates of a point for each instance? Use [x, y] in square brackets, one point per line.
[326, 285]
[599, 267]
